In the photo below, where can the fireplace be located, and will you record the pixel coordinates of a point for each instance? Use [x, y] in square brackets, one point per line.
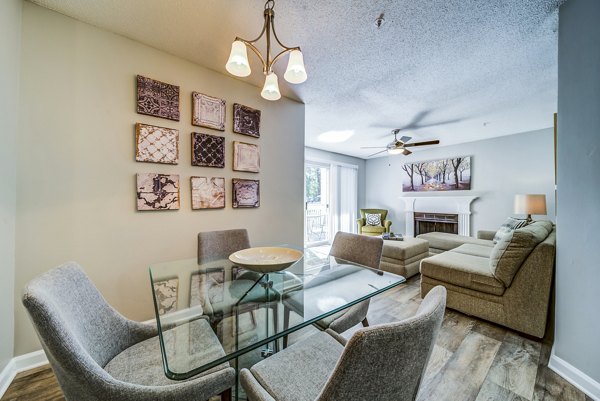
[446, 205]
[435, 222]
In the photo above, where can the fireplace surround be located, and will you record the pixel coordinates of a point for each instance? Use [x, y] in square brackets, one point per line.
[446, 205]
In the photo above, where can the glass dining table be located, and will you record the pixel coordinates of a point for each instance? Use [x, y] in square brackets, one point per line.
[249, 313]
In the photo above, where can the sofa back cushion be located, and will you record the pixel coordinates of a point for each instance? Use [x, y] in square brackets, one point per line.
[509, 225]
[512, 249]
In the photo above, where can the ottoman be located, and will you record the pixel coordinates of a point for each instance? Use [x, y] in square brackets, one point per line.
[403, 257]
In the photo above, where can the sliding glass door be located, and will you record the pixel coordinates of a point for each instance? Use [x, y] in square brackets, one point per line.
[316, 200]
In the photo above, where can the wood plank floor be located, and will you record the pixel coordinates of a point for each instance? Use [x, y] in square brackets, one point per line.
[472, 360]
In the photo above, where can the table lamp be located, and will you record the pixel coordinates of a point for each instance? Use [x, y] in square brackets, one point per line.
[530, 204]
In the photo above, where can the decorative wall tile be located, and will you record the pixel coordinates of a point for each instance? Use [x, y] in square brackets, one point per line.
[156, 144]
[157, 191]
[208, 150]
[246, 120]
[156, 98]
[208, 192]
[208, 111]
[246, 157]
[166, 292]
[246, 193]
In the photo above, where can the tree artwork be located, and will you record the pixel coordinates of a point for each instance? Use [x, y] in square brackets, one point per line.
[438, 175]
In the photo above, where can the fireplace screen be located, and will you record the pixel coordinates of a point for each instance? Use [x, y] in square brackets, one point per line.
[435, 222]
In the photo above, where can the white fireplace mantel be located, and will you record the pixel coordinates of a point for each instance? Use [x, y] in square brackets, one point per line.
[460, 205]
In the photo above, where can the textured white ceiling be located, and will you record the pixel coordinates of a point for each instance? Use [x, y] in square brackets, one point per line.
[453, 70]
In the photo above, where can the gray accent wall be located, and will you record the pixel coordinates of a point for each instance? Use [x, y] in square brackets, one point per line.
[332, 157]
[500, 168]
[76, 163]
[10, 43]
[578, 217]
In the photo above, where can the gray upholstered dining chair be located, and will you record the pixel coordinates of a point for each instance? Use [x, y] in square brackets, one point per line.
[97, 354]
[383, 362]
[213, 245]
[355, 248]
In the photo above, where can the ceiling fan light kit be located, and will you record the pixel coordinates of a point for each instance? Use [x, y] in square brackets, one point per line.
[398, 146]
[238, 64]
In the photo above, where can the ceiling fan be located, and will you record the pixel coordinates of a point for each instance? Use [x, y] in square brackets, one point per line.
[398, 146]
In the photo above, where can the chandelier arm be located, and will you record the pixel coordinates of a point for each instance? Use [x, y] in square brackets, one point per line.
[282, 53]
[277, 38]
[256, 51]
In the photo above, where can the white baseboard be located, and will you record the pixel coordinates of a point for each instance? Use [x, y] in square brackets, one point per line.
[20, 364]
[574, 376]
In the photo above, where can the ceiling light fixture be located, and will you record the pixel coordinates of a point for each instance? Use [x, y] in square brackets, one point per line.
[239, 66]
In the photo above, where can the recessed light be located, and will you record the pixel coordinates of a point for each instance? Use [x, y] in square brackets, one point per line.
[335, 136]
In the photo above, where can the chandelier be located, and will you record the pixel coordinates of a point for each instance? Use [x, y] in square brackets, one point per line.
[238, 58]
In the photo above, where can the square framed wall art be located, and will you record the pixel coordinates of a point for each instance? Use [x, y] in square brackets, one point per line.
[208, 192]
[156, 144]
[156, 98]
[208, 111]
[246, 120]
[246, 193]
[246, 157]
[208, 150]
[157, 191]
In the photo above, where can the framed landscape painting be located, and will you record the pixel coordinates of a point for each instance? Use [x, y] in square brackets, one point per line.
[437, 175]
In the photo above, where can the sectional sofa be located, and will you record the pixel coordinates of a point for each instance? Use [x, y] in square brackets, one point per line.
[507, 282]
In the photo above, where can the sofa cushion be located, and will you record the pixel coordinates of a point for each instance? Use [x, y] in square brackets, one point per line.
[463, 270]
[373, 229]
[476, 250]
[447, 241]
[512, 250]
[509, 225]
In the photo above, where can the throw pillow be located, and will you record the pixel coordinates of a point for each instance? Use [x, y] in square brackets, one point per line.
[509, 225]
[373, 219]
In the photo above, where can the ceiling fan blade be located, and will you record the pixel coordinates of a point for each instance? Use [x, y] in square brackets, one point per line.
[406, 152]
[422, 143]
[385, 150]
[405, 139]
[373, 147]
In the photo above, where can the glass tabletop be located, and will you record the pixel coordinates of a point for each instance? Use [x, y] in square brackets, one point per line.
[212, 312]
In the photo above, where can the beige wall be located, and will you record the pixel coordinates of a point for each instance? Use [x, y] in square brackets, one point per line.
[10, 38]
[76, 168]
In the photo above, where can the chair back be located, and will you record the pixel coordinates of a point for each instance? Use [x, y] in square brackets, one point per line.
[357, 248]
[79, 331]
[382, 212]
[213, 245]
[387, 362]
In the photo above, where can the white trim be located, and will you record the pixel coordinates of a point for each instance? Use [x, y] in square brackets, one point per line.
[574, 376]
[20, 364]
[311, 160]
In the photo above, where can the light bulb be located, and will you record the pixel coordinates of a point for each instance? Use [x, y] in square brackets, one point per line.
[271, 89]
[238, 60]
[295, 72]
[395, 151]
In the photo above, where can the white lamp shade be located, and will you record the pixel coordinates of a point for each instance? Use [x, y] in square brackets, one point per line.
[271, 89]
[395, 151]
[295, 72]
[530, 204]
[238, 60]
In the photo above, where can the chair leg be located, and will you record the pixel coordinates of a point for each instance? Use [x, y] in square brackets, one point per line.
[226, 395]
[365, 322]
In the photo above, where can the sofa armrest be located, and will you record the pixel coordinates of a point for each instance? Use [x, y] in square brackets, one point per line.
[361, 222]
[486, 234]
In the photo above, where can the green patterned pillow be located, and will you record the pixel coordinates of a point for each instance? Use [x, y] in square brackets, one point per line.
[509, 226]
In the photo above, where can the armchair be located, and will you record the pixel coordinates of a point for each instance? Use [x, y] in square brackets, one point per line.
[365, 229]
